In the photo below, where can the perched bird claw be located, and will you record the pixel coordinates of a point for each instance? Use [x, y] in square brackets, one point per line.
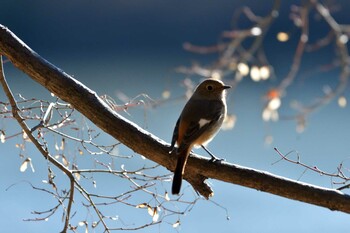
[215, 159]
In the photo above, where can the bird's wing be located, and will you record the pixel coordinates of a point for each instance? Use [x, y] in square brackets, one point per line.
[196, 128]
[175, 135]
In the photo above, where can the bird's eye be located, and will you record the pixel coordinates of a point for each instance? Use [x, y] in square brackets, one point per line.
[209, 87]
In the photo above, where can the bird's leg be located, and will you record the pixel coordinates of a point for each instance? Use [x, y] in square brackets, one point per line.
[213, 157]
[172, 149]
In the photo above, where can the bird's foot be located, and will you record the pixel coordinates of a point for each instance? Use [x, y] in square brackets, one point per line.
[215, 159]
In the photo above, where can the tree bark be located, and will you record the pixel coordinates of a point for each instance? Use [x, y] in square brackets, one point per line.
[198, 168]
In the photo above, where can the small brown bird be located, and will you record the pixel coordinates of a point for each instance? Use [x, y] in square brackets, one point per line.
[198, 123]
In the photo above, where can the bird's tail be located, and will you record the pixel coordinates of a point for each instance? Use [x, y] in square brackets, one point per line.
[179, 171]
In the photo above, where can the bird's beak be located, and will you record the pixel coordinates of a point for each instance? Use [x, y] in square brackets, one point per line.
[226, 87]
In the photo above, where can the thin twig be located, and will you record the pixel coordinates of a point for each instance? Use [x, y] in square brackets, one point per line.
[16, 114]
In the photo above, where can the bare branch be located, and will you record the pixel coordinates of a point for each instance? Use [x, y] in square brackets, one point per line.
[16, 114]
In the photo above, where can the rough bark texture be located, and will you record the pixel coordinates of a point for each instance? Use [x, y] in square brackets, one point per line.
[198, 168]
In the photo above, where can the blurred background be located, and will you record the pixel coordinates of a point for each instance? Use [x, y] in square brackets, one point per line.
[128, 48]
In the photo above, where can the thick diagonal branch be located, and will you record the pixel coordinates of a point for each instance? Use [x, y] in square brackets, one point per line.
[88, 103]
